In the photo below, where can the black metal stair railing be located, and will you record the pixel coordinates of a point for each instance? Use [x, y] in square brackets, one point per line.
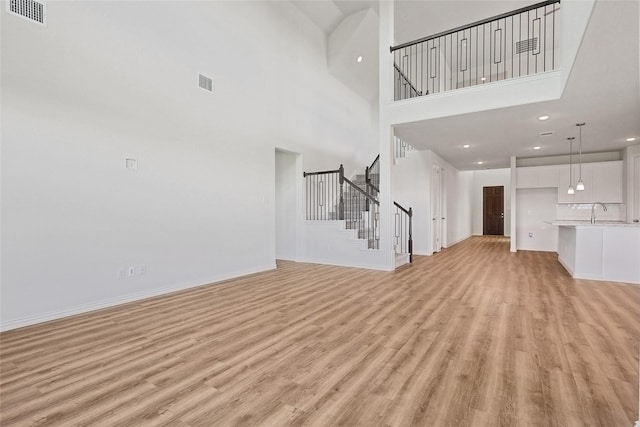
[513, 44]
[372, 177]
[403, 230]
[329, 195]
[362, 213]
[324, 195]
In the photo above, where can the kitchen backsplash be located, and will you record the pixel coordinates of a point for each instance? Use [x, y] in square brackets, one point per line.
[577, 212]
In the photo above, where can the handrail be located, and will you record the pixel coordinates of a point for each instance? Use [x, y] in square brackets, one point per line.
[377, 159]
[475, 24]
[306, 174]
[408, 212]
[406, 79]
[367, 174]
[369, 197]
[404, 229]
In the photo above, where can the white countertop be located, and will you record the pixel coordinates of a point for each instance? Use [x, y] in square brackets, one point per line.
[575, 223]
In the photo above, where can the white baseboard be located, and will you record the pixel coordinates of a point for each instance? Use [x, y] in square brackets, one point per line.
[344, 264]
[124, 299]
[455, 242]
[566, 267]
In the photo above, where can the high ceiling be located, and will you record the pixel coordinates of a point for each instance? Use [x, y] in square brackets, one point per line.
[414, 19]
[603, 89]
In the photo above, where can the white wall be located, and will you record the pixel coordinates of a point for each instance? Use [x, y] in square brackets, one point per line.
[459, 205]
[410, 188]
[286, 205]
[535, 208]
[490, 178]
[411, 178]
[104, 81]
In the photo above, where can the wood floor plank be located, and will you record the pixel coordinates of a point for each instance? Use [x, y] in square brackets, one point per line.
[473, 335]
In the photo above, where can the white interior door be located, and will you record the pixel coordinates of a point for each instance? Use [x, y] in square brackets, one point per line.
[436, 229]
[443, 209]
[636, 190]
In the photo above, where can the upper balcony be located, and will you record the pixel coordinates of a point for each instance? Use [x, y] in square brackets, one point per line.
[520, 43]
[519, 57]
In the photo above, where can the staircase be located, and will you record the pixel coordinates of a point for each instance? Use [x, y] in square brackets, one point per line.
[330, 196]
[359, 214]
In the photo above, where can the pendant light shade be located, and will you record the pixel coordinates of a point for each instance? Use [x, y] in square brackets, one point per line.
[570, 190]
[580, 184]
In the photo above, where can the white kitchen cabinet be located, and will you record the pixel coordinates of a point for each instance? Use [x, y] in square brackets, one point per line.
[607, 182]
[602, 181]
[584, 196]
[537, 177]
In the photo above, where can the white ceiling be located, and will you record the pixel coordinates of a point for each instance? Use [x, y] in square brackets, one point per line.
[603, 91]
[415, 19]
[327, 14]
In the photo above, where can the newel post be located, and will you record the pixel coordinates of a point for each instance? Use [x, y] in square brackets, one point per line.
[410, 235]
[341, 203]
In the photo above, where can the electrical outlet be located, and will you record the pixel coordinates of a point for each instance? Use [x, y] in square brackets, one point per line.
[142, 269]
[120, 274]
[131, 271]
[530, 234]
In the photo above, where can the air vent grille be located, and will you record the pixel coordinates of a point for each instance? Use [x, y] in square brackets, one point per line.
[205, 82]
[28, 9]
[527, 45]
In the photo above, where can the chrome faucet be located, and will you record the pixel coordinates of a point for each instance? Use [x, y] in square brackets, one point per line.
[593, 211]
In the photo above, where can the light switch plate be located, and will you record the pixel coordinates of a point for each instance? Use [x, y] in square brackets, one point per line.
[131, 164]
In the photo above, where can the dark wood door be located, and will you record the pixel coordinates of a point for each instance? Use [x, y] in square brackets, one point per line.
[493, 211]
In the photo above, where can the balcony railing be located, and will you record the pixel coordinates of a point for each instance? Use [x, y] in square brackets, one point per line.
[514, 44]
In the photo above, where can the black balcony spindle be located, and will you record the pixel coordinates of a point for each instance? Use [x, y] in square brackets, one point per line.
[417, 69]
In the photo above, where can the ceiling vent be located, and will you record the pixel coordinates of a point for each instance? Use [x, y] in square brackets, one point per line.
[205, 83]
[528, 45]
[28, 9]
[548, 133]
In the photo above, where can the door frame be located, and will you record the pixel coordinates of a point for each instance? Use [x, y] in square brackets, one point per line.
[484, 209]
[299, 205]
[436, 208]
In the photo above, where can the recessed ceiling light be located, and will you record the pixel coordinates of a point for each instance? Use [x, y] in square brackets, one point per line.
[543, 118]
[631, 139]
[537, 147]
[480, 163]
[466, 146]
[359, 59]
[483, 79]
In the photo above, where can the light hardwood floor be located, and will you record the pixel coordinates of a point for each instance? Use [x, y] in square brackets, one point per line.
[473, 336]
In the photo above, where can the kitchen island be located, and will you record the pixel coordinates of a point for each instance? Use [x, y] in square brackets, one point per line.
[601, 251]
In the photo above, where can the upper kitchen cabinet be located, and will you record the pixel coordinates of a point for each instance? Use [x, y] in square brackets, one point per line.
[607, 182]
[602, 181]
[563, 184]
[537, 177]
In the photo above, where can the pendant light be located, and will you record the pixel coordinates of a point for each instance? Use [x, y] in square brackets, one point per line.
[580, 184]
[570, 190]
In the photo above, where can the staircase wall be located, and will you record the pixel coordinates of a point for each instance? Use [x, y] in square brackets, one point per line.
[329, 242]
